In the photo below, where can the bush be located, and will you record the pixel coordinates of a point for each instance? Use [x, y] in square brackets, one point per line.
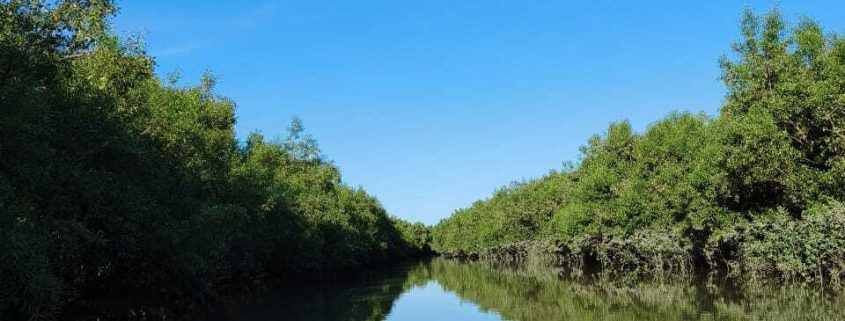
[778, 245]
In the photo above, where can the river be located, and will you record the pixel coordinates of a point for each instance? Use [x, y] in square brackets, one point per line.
[441, 289]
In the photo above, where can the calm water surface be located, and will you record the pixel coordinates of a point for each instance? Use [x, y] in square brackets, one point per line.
[450, 290]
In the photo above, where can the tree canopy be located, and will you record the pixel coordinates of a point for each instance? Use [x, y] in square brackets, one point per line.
[700, 190]
[114, 182]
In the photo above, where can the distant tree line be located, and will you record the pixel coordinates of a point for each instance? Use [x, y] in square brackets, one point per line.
[756, 189]
[116, 183]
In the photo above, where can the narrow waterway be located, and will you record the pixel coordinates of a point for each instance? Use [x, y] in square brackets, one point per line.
[443, 289]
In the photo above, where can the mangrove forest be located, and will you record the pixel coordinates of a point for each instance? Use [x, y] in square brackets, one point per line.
[756, 190]
[126, 195]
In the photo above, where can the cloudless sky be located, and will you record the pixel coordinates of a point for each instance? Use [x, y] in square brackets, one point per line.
[432, 302]
[433, 104]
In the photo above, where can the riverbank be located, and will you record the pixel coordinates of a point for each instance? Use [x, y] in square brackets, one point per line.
[768, 250]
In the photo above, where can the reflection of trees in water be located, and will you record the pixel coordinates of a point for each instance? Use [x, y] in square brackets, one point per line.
[536, 293]
[366, 297]
[530, 292]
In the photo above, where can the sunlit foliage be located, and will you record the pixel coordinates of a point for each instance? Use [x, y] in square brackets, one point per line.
[734, 191]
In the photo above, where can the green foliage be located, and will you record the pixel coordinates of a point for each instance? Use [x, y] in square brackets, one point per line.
[776, 244]
[514, 213]
[738, 190]
[416, 235]
[114, 184]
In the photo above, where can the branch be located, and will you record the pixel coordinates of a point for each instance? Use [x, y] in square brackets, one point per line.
[80, 54]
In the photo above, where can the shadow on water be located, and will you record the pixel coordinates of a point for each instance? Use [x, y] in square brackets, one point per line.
[368, 296]
[520, 293]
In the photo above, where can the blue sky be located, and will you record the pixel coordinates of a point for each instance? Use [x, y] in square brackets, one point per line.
[431, 105]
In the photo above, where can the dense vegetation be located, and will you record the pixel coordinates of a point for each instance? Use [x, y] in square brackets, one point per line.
[754, 189]
[114, 182]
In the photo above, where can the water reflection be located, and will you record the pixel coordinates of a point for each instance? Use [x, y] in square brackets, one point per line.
[450, 290]
[439, 305]
[537, 293]
[367, 297]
